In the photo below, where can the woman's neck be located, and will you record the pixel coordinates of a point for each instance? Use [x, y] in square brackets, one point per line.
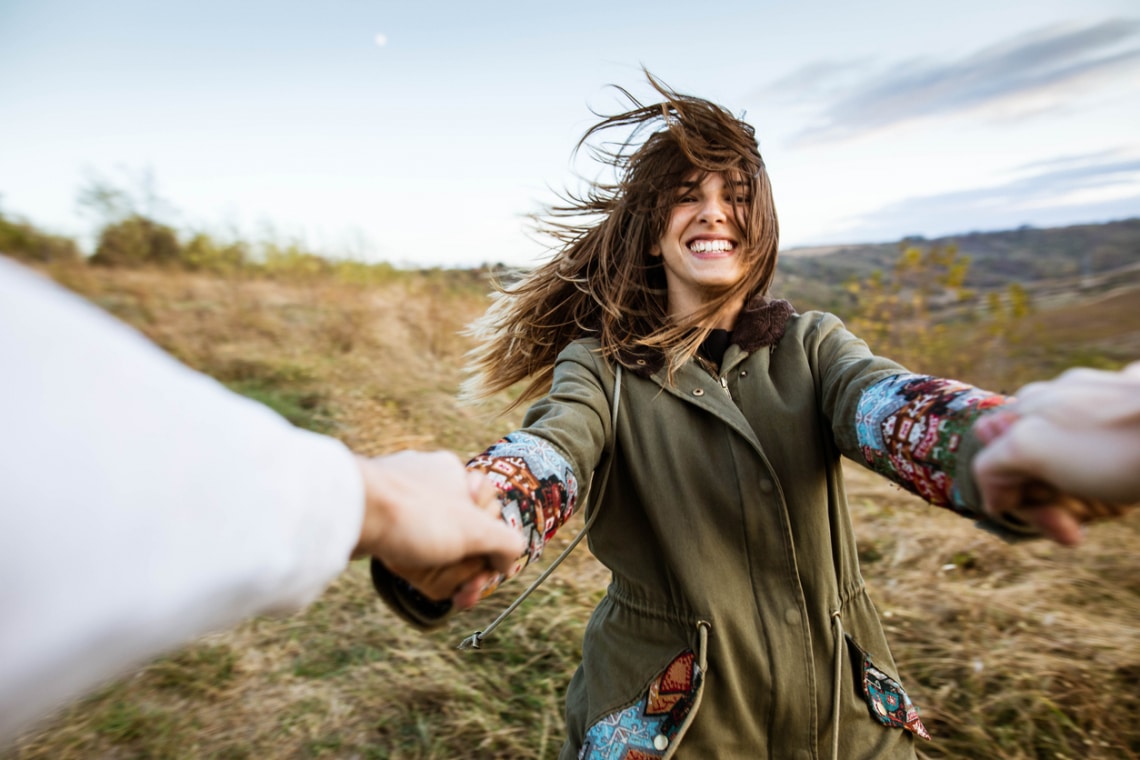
[724, 319]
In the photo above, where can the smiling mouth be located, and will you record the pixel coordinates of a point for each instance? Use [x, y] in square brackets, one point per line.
[711, 246]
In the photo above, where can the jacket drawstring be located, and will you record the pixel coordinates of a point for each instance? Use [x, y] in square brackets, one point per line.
[474, 640]
[837, 624]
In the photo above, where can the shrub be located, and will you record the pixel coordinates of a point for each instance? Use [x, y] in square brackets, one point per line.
[203, 252]
[137, 240]
[21, 240]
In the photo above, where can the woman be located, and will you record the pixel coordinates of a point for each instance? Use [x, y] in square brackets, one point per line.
[737, 624]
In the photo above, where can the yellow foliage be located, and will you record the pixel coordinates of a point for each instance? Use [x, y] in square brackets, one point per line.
[922, 315]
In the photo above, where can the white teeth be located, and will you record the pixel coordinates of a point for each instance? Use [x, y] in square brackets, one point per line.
[706, 246]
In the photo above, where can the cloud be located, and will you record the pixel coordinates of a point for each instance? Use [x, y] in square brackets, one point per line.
[1014, 76]
[809, 82]
[1066, 190]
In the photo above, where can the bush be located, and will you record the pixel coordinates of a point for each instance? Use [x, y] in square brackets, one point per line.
[21, 240]
[135, 241]
[204, 253]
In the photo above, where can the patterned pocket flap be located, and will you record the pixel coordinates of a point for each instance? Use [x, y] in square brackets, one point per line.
[648, 728]
[885, 696]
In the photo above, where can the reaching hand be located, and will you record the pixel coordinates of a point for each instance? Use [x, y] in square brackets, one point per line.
[1067, 451]
[434, 523]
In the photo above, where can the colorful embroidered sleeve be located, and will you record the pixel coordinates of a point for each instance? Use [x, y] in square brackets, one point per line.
[538, 491]
[911, 428]
[536, 485]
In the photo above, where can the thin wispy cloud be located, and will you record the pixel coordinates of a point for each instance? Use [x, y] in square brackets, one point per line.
[1097, 185]
[813, 79]
[1013, 77]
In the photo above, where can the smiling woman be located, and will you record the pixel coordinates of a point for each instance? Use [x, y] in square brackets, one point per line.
[610, 279]
[737, 624]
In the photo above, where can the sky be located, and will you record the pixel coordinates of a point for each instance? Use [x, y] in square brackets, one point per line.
[427, 133]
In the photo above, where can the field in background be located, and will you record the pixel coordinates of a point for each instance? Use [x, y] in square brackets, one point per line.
[1012, 652]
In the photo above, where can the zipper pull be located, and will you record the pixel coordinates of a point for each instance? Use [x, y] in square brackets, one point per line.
[724, 384]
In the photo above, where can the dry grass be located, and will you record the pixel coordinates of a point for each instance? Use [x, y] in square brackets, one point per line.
[1012, 652]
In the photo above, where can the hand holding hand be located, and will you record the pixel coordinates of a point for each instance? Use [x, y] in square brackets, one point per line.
[1065, 452]
[435, 524]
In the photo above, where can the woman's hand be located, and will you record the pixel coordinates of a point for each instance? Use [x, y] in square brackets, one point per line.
[1067, 451]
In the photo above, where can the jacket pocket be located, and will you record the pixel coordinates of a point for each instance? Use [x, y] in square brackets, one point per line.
[652, 726]
[885, 697]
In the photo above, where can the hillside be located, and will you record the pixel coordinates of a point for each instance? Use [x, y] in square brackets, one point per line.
[1080, 288]
[1026, 255]
[1010, 651]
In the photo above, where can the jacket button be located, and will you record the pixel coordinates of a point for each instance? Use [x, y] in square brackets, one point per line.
[792, 616]
[766, 486]
[698, 391]
[744, 373]
[661, 742]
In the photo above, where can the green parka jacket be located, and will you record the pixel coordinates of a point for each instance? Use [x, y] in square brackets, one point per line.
[736, 595]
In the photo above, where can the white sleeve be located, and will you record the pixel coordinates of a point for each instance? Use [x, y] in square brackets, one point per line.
[141, 503]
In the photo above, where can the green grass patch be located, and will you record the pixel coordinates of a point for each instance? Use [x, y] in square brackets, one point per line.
[323, 661]
[145, 731]
[197, 672]
[303, 408]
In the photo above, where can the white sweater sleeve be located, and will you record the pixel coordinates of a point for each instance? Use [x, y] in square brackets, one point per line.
[141, 503]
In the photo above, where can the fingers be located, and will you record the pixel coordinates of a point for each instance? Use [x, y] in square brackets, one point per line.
[1084, 398]
[475, 589]
[502, 545]
[991, 426]
[1016, 453]
[1053, 522]
[497, 543]
[482, 490]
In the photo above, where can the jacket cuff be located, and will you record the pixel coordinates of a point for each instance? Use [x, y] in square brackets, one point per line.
[412, 606]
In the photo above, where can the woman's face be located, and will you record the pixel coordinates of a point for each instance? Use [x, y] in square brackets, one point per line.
[702, 240]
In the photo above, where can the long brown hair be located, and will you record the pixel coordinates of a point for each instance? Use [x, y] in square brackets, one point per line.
[602, 280]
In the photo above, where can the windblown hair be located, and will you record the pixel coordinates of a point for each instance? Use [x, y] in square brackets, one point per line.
[603, 280]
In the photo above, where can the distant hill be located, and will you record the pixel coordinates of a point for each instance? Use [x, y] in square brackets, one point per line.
[1027, 255]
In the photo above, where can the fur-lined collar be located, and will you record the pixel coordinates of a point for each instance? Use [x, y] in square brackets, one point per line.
[761, 323]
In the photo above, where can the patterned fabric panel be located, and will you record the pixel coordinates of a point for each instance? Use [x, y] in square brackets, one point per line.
[910, 428]
[885, 696]
[536, 486]
[647, 729]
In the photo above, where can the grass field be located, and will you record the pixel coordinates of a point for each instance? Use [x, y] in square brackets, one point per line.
[1010, 652]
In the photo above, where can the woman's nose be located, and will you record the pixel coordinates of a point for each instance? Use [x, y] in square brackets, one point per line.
[713, 210]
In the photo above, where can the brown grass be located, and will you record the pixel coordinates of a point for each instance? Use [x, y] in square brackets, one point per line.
[1012, 652]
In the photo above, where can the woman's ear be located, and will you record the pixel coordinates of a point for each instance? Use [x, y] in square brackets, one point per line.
[655, 250]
